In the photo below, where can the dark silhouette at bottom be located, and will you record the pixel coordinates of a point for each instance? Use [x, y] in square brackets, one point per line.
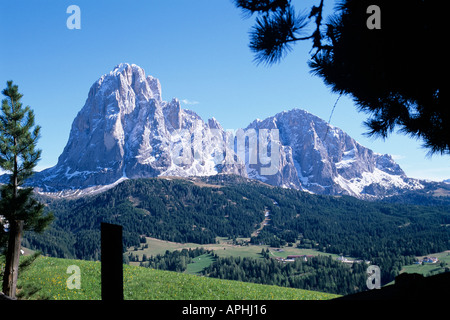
[409, 286]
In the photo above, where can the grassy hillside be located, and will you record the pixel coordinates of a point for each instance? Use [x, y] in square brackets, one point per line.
[47, 278]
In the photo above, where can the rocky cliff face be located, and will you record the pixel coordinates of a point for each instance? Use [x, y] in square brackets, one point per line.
[323, 159]
[125, 130]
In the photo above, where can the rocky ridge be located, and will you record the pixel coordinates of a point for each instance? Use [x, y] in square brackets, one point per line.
[125, 131]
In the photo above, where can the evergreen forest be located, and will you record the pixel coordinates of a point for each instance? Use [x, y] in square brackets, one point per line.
[388, 234]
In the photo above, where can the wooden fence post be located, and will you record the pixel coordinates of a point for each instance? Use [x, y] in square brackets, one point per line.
[112, 262]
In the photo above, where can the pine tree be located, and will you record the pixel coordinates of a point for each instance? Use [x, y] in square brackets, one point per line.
[397, 87]
[18, 157]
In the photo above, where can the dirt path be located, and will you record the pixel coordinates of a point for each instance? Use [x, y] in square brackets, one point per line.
[262, 224]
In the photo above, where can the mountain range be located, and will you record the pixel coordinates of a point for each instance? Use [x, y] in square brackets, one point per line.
[126, 131]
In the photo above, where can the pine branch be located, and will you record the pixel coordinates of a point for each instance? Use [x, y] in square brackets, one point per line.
[277, 28]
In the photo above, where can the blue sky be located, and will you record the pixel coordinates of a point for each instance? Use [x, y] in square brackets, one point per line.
[198, 49]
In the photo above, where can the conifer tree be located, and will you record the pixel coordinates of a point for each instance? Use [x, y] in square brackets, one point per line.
[367, 54]
[18, 157]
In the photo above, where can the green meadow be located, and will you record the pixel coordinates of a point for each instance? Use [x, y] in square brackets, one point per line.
[223, 248]
[428, 269]
[46, 278]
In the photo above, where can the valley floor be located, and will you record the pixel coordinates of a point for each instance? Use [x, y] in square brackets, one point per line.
[223, 247]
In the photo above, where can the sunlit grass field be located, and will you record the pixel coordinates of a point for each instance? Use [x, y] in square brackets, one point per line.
[47, 278]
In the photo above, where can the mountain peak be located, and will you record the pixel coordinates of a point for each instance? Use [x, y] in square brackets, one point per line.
[129, 77]
[214, 124]
[323, 159]
[124, 66]
[125, 130]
